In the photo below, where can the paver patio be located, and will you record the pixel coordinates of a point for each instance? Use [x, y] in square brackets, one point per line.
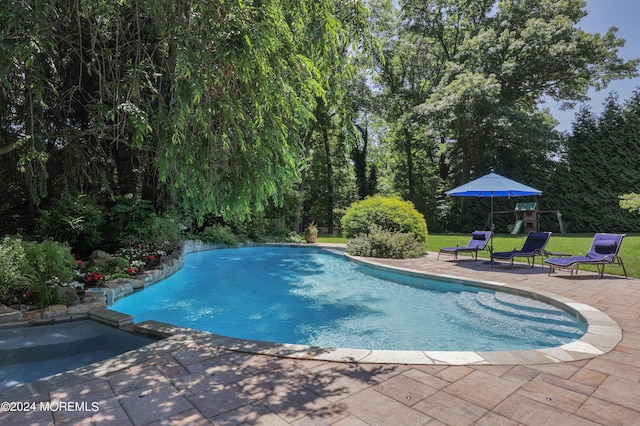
[193, 381]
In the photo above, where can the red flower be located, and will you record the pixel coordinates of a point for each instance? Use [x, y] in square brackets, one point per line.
[94, 276]
[79, 262]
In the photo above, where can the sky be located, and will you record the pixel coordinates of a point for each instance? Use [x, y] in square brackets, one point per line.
[603, 14]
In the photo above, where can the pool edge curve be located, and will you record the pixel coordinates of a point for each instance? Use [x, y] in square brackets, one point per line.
[602, 335]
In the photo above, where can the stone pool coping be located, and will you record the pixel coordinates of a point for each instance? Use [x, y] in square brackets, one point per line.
[602, 336]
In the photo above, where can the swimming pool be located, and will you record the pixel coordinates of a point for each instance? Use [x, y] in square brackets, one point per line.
[316, 297]
[32, 352]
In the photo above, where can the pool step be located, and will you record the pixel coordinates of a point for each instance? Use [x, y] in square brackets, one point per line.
[36, 336]
[522, 307]
[113, 318]
[485, 307]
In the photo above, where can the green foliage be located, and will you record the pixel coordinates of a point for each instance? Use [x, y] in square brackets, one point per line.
[599, 165]
[269, 224]
[329, 182]
[391, 214]
[630, 202]
[76, 220]
[214, 107]
[237, 111]
[31, 271]
[13, 266]
[160, 232]
[385, 244]
[197, 106]
[50, 260]
[13, 259]
[45, 293]
[218, 234]
[122, 263]
[134, 221]
[130, 214]
[461, 83]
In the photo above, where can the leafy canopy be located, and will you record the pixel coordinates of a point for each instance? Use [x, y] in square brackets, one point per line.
[203, 102]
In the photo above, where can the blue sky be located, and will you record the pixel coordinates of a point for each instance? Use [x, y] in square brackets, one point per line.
[603, 14]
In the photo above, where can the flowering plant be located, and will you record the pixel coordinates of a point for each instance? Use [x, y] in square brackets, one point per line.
[312, 229]
[94, 278]
[140, 256]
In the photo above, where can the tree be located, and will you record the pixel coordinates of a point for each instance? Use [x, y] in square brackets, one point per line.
[402, 67]
[631, 115]
[197, 105]
[333, 129]
[489, 67]
[502, 65]
[600, 165]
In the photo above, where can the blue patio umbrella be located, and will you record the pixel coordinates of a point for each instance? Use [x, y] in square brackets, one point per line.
[493, 185]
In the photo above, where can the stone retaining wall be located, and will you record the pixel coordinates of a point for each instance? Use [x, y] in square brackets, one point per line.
[92, 301]
[100, 298]
[122, 287]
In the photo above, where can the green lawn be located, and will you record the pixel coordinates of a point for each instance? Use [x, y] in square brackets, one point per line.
[569, 243]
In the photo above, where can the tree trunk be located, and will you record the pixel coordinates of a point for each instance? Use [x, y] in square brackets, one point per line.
[359, 158]
[127, 176]
[330, 201]
[304, 208]
[411, 179]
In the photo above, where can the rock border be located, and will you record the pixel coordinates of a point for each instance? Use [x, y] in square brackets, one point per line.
[99, 298]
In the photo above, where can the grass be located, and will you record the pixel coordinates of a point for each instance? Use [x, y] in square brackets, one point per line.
[567, 243]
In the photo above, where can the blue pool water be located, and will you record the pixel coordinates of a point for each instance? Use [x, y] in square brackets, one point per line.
[315, 297]
[31, 353]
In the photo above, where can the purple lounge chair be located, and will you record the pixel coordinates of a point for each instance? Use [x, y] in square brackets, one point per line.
[533, 246]
[604, 251]
[478, 241]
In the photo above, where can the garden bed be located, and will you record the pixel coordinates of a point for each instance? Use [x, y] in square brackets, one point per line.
[99, 298]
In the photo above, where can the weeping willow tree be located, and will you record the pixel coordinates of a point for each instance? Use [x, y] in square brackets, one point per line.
[198, 104]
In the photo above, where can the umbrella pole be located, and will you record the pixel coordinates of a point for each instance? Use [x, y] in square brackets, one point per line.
[492, 227]
[491, 261]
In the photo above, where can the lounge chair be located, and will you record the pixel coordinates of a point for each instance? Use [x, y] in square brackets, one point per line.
[604, 251]
[478, 241]
[533, 246]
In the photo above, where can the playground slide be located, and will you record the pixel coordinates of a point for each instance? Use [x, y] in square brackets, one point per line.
[517, 226]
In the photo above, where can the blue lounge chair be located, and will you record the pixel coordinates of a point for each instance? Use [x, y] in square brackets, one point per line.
[604, 251]
[533, 246]
[478, 241]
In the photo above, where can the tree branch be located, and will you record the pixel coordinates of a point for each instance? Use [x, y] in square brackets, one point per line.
[8, 148]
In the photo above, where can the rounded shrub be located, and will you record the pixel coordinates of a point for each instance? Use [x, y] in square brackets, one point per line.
[390, 214]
